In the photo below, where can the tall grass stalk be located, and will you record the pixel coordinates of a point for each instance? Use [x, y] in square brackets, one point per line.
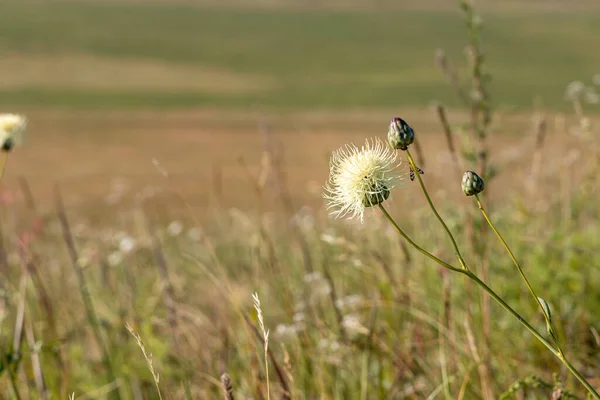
[86, 297]
[265, 334]
[147, 357]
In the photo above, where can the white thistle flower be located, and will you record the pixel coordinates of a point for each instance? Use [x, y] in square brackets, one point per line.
[360, 178]
[12, 127]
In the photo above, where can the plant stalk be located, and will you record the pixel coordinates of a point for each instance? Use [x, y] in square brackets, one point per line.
[500, 301]
[456, 250]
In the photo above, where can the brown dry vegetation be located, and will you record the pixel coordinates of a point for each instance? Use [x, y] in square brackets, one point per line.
[85, 152]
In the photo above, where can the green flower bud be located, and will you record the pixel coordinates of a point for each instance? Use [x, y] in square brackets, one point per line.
[472, 183]
[400, 134]
[377, 196]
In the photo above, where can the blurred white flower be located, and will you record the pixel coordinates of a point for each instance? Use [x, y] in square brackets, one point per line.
[350, 302]
[194, 234]
[304, 218]
[115, 258]
[574, 90]
[312, 277]
[360, 178]
[127, 244]
[298, 317]
[330, 345]
[283, 330]
[591, 96]
[319, 290]
[12, 128]
[352, 325]
[328, 238]
[175, 228]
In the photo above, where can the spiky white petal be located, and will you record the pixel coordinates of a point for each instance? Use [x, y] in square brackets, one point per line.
[361, 177]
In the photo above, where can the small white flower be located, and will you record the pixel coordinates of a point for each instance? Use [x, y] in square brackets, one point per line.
[312, 277]
[574, 90]
[12, 128]
[360, 178]
[353, 326]
[115, 258]
[351, 301]
[175, 228]
[591, 97]
[327, 238]
[194, 234]
[298, 317]
[127, 244]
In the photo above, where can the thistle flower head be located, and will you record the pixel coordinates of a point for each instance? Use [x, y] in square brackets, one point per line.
[472, 183]
[360, 178]
[400, 134]
[12, 127]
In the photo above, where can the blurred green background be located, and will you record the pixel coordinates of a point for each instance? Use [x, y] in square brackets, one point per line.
[285, 55]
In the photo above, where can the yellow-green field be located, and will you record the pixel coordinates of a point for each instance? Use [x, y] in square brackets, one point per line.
[174, 165]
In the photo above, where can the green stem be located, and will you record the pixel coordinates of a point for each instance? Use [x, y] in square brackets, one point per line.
[3, 163]
[416, 246]
[514, 260]
[560, 354]
[500, 301]
[456, 250]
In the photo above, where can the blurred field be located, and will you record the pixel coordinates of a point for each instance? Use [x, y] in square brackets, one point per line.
[190, 141]
[163, 54]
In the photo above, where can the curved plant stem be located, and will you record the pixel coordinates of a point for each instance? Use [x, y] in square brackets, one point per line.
[3, 162]
[456, 250]
[514, 260]
[500, 301]
[416, 246]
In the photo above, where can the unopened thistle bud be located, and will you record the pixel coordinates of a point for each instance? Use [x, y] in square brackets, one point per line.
[400, 134]
[12, 127]
[472, 183]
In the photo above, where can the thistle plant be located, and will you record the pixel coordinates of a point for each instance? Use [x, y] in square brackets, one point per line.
[12, 128]
[364, 177]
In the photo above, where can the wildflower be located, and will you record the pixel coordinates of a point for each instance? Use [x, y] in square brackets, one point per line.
[194, 234]
[472, 183]
[353, 326]
[574, 90]
[360, 178]
[349, 302]
[115, 258]
[175, 228]
[312, 277]
[12, 127]
[591, 97]
[400, 134]
[127, 244]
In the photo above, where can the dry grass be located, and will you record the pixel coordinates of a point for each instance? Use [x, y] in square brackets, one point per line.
[86, 152]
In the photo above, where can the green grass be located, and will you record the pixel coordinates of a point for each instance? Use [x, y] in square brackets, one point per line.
[317, 59]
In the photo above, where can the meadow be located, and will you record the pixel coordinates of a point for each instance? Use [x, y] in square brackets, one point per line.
[174, 166]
